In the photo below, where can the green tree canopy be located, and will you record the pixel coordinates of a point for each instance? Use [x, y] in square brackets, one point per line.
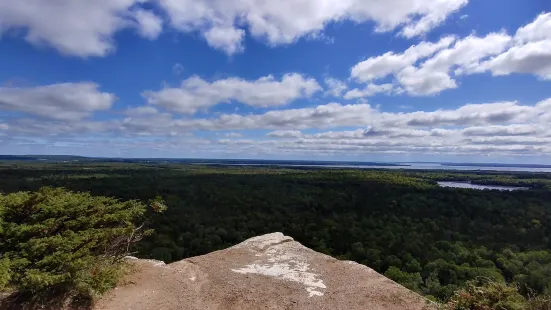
[57, 241]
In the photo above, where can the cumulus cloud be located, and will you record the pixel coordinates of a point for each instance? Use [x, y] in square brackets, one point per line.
[37, 129]
[227, 39]
[500, 130]
[539, 29]
[435, 74]
[196, 94]
[150, 25]
[334, 115]
[390, 62]
[497, 129]
[335, 87]
[284, 22]
[531, 58]
[530, 54]
[67, 101]
[370, 90]
[429, 68]
[437, 14]
[222, 23]
[470, 114]
[399, 141]
[77, 28]
[285, 134]
[420, 82]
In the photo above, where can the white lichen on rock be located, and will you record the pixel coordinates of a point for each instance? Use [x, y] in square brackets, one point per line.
[278, 261]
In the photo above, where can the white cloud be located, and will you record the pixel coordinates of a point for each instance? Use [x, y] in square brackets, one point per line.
[227, 39]
[495, 129]
[395, 132]
[323, 116]
[389, 63]
[77, 28]
[285, 134]
[500, 130]
[149, 25]
[409, 141]
[333, 115]
[222, 23]
[545, 105]
[468, 51]
[196, 94]
[335, 87]
[67, 101]
[437, 14]
[435, 74]
[531, 58]
[424, 81]
[40, 128]
[538, 29]
[370, 90]
[467, 115]
[531, 53]
[429, 68]
[141, 111]
[284, 22]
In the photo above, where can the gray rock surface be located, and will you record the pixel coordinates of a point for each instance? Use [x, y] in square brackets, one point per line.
[267, 272]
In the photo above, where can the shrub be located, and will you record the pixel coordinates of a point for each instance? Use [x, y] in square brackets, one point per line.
[54, 241]
[539, 302]
[484, 294]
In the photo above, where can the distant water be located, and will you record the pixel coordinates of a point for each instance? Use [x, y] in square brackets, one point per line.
[415, 166]
[476, 186]
[437, 166]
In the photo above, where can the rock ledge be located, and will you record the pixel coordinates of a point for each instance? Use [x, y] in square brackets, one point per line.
[266, 272]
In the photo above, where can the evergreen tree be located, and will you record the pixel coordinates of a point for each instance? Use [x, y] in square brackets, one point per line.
[54, 241]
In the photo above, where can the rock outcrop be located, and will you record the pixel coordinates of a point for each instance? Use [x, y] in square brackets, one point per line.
[267, 272]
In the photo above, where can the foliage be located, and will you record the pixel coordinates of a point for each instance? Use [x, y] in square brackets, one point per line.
[398, 222]
[55, 241]
[410, 280]
[487, 295]
[539, 302]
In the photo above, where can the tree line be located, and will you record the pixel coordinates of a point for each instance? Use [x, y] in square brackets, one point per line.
[432, 240]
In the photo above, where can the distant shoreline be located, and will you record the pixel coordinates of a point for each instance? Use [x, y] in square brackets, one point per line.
[290, 163]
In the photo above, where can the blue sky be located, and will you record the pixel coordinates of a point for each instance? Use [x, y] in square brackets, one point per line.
[395, 80]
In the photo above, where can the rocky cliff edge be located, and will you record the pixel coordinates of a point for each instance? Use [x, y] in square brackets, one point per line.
[266, 272]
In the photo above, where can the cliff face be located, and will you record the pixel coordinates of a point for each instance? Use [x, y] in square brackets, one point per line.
[267, 272]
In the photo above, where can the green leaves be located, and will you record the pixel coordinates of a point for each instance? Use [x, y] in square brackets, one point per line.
[5, 273]
[484, 294]
[57, 240]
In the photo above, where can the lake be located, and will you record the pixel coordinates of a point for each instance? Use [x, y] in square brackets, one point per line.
[476, 186]
[405, 166]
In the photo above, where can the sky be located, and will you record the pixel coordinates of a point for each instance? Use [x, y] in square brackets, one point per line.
[371, 80]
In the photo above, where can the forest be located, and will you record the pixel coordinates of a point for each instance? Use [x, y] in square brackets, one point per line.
[399, 222]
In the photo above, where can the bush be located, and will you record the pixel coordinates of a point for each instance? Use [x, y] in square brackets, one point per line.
[484, 294]
[539, 302]
[58, 242]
